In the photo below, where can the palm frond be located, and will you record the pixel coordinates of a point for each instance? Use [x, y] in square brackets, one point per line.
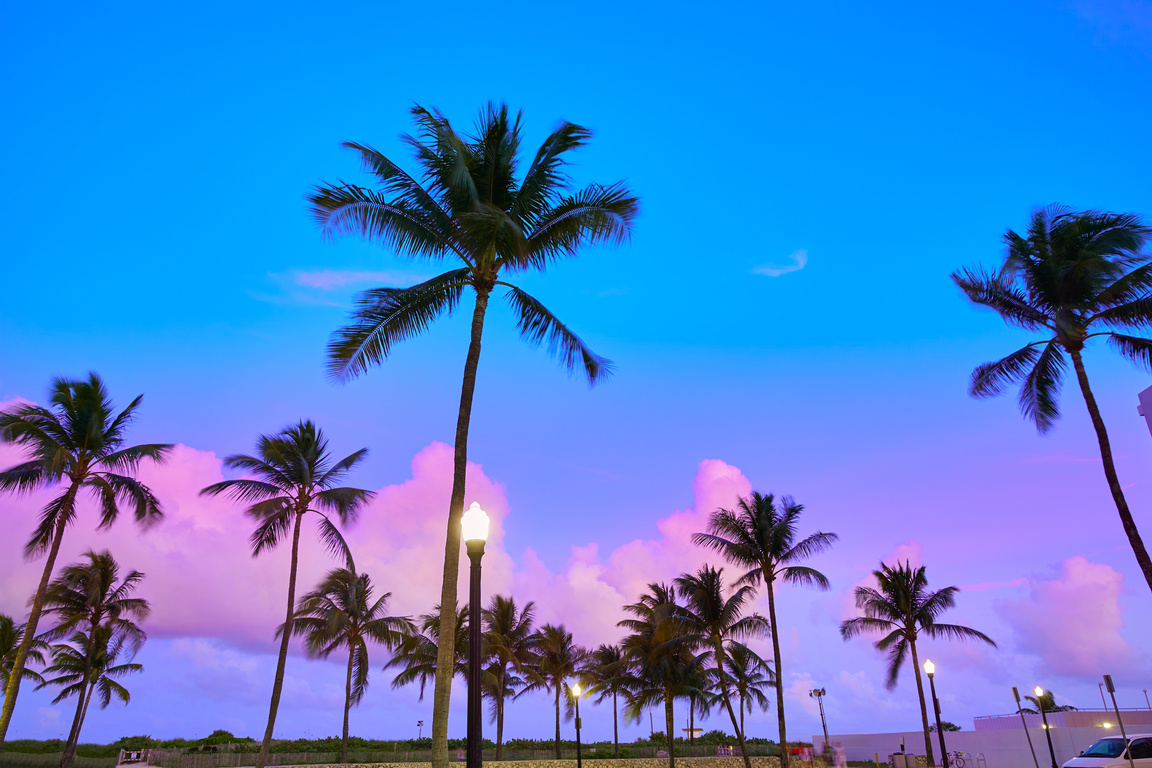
[990, 379]
[595, 214]
[1134, 348]
[539, 326]
[1040, 388]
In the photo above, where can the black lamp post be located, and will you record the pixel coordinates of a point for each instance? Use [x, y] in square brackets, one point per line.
[576, 695]
[1043, 716]
[818, 694]
[474, 529]
[930, 668]
[1024, 723]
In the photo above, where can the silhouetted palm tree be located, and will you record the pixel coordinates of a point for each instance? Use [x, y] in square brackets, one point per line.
[340, 613]
[292, 474]
[417, 654]
[78, 444]
[1047, 700]
[904, 608]
[508, 644]
[748, 675]
[605, 673]
[1074, 276]
[760, 534]
[85, 597]
[11, 634]
[471, 209]
[718, 622]
[557, 659]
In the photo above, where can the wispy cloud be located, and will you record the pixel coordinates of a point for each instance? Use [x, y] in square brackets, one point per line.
[328, 287]
[797, 260]
[333, 279]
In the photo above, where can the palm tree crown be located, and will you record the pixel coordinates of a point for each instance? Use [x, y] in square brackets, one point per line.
[606, 674]
[557, 659]
[1047, 701]
[11, 634]
[508, 641]
[417, 654]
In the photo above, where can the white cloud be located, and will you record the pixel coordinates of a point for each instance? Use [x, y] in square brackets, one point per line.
[332, 279]
[797, 261]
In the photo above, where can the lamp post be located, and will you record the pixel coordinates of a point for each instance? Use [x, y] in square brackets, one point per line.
[930, 668]
[576, 695]
[1023, 722]
[818, 694]
[1102, 696]
[1043, 716]
[1146, 701]
[419, 729]
[474, 529]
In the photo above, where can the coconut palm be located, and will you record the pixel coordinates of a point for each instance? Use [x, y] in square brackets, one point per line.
[605, 673]
[659, 650]
[417, 654]
[1047, 701]
[904, 608]
[748, 675]
[760, 534]
[508, 642]
[291, 475]
[557, 659]
[86, 668]
[718, 622]
[11, 634]
[469, 208]
[1074, 276]
[86, 597]
[340, 613]
[76, 445]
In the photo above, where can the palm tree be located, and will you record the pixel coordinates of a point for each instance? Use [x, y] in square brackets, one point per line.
[417, 654]
[340, 613]
[1074, 276]
[760, 534]
[88, 667]
[292, 474]
[718, 622]
[904, 607]
[76, 444]
[11, 634]
[659, 653]
[1047, 701]
[508, 640]
[557, 659]
[748, 675]
[605, 674]
[85, 597]
[471, 209]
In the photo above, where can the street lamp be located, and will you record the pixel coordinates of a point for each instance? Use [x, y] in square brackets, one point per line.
[419, 729]
[1047, 731]
[818, 694]
[930, 668]
[576, 695]
[474, 529]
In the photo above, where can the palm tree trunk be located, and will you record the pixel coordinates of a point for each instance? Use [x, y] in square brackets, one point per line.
[779, 673]
[446, 650]
[741, 721]
[728, 705]
[70, 753]
[74, 733]
[692, 721]
[615, 729]
[1126, 520]
[671, 723]
[347, 705]
[500, 716]
[923, 707]
[558, 684]
[17, 670]
[282, 661]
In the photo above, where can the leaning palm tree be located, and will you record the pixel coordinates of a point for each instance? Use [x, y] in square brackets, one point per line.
[340, 613]
[11, 634]
[470, 208]
[718, 622]
[1047, 702]
[1074, 276]
[605, 673]
[557, 659]
[291, 475]
[508, 640]
[76, 444]
[86, 598]
[904, 608]
[748, 675]
[760, 534]
[417, 653]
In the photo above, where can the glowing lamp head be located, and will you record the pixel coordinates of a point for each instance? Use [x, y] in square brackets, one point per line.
[474, 524]
[1107, 725]
[929, 667]
[576, 690]
[1038, 691]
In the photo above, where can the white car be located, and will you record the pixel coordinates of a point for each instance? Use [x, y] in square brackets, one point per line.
[1109, 753]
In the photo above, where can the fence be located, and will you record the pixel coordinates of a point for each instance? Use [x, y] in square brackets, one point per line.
[51, 760]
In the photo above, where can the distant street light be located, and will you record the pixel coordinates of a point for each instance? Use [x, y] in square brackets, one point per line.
[930, 668]
[1047, 731]
[419, 729]
[1102, 701]
[818, 694]
[474, 529]
[576, 695]
[1149, 703]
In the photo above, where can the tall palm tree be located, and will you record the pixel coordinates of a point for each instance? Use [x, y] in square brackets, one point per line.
[88, 667]
[760, 534]
[11, 634]
[340, 613]
[1074, 276]
[508, 640]
[718, 622]
[557, 659]
[606, 673]
[86, 597]
[291, 475]
[472, 209]
[417, 653]
[77, 444]
[660, 653]
[904, 608]
[748, 675]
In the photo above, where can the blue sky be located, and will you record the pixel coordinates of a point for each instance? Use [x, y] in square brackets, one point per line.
[155, 230]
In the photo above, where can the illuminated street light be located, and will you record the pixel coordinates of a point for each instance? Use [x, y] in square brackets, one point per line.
[576, 695]
[930, 668]
[1047, 731]
[474, 529]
